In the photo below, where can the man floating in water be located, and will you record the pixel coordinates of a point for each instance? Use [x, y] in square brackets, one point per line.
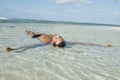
[55, 40]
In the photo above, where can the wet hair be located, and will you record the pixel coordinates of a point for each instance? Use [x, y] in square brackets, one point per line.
[62, 44]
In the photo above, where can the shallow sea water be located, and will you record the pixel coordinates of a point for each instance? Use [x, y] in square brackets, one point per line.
[44, 62]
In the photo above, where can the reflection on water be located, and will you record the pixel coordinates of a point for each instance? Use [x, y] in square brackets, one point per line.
[34, 60]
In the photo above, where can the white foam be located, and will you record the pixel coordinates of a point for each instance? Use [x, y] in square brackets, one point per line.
[2, 18]
[115, 28]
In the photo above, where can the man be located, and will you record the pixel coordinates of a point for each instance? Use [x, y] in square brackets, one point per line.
[55, 40]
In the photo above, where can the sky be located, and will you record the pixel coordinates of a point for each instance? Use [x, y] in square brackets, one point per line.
[88, 11]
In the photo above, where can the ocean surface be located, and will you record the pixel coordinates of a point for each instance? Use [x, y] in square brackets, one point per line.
[36, 61]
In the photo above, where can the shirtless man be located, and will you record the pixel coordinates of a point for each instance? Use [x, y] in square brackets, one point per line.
[55, 40]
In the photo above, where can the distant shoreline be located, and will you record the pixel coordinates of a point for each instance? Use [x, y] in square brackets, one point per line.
[9, 20]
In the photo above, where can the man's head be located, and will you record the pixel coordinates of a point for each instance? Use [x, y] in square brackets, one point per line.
[58, 41]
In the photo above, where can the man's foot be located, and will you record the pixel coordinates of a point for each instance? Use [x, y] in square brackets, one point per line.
[27, 31]
[30, 32]
[7, 49]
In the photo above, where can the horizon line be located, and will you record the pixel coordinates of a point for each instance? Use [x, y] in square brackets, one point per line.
[60, 21]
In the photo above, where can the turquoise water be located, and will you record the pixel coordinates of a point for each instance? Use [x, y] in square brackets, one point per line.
[74, 62]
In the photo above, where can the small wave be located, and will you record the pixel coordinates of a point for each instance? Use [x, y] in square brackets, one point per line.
[3, 18]
[115, 28]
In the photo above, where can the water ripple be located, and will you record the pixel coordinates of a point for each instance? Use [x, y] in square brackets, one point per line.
[43, 62]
